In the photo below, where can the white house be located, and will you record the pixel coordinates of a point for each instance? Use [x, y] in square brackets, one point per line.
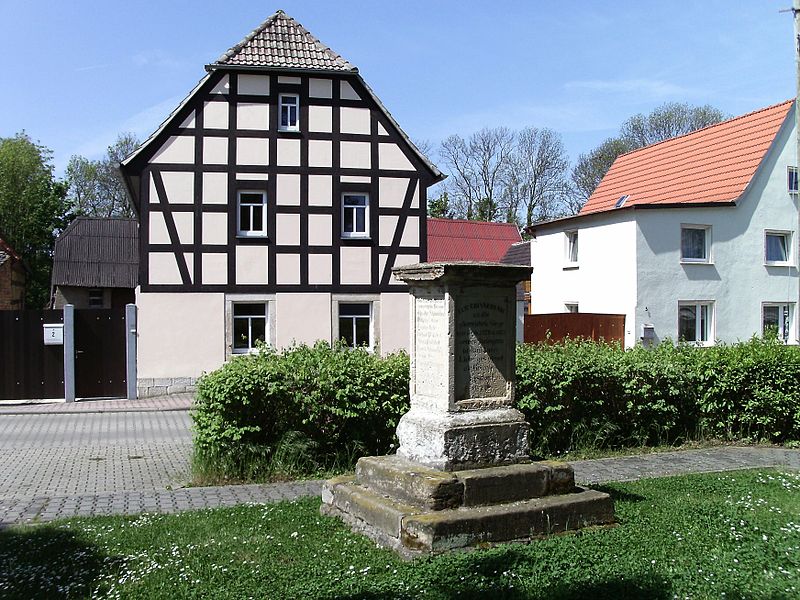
[693, 238]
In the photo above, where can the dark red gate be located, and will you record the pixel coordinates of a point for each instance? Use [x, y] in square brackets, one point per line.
[100, 353]
[28, 368]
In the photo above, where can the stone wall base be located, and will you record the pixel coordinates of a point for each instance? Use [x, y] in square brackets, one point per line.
[159, 386]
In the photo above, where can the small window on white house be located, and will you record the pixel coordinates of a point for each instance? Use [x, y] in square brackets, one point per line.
[571, 307]
[355, 324]
[695, 322]
[249, 326]
[792, 180]
[289, 112]
[355, 215]
[695, 243]
[776, 319]
[95, 298]
[571, 246]
[252, 218]
[777, 247]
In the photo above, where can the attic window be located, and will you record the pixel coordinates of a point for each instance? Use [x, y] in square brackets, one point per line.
[289, 112]
[621, 201]
[793, 184]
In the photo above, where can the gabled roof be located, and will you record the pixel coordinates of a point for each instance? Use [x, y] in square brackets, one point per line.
[461, 240]
[280, 42]
[94, 252]
[518, 254]
[713, 165]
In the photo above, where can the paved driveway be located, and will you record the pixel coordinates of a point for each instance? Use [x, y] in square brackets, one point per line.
[69, 455]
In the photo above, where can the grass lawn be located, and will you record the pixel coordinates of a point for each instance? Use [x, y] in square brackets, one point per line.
[734, 535]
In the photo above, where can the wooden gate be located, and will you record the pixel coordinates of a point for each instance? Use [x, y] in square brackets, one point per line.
[555, 327]
[28, 368]
[100, 353]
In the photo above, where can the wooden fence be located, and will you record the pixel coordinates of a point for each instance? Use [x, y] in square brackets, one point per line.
[594, 326]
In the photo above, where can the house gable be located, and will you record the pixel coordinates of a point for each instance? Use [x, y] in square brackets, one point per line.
[225, 140]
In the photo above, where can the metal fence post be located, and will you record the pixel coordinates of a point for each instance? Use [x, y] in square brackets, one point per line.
[130, 349]
[69, 353]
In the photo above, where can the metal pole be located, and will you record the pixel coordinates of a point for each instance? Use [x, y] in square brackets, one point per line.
[130, 349]
[69, 353]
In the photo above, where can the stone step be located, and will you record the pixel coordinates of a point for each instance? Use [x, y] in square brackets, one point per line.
[414, 531]
[441, 531]
[410, 482]
[417, 484]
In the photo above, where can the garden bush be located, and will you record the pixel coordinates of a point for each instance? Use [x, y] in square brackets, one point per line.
[587, 395]
[298, 410]
[307, 409]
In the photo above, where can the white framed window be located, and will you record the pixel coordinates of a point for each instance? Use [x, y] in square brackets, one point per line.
[792, 183]
[289, 112]
[252, 213]
[571, 247]
[355, 215]
[571, 307]
[355, 324]
[778, 247]
[696, 322]
[777, 318]
[250, 326]
[695, 243]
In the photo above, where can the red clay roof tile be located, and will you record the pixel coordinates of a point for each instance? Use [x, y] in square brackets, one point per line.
[714, 164]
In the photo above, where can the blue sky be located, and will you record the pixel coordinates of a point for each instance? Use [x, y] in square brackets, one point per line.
[76, 73]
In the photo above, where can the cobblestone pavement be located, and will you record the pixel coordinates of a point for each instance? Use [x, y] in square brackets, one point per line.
[159, 403]
[58, 466]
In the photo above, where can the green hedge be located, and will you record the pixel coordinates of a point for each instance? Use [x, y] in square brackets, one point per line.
[305, 407]
[580, 394]
[311, 408]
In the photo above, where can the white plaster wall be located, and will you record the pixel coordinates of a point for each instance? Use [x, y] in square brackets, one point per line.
[395, 322]
[302, 318]
[737, 280]
[605, 278]
[179, 335]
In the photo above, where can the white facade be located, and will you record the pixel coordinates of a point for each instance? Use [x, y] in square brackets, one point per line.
[629, 260]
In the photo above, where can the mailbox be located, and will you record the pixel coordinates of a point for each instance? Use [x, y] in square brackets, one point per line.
[53, 334]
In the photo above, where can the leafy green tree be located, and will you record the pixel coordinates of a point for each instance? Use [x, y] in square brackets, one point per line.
[96, 187]
[33, 209]
[440, 207]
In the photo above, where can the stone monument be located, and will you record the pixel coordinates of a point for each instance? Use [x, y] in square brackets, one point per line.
[462, 475]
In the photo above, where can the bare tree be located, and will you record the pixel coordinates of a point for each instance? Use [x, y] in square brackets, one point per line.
[96, 187]
[592, 167]
[667, 121]
[536, 186]
[478, 168]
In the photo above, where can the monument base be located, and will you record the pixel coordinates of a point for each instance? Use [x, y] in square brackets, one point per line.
[452, 441]
[416, 510]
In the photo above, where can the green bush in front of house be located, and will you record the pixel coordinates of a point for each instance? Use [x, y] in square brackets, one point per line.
[309, 409]
[587, 395]
[301, 410]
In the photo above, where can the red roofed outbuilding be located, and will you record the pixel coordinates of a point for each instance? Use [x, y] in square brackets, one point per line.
[461, 240]
[693, 238]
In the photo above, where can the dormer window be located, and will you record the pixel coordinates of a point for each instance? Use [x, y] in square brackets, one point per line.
[793, 183]
[289, 112]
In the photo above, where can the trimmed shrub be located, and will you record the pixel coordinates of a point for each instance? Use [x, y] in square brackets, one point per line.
[588, 395]
[301, 409]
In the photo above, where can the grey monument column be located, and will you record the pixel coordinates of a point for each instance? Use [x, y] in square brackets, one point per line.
[462, 475]
[463, 362]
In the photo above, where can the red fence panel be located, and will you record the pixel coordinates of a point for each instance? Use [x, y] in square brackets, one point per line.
[594, 326]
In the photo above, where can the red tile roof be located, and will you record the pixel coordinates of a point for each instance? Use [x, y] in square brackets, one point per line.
[460, 240]
[711, 165]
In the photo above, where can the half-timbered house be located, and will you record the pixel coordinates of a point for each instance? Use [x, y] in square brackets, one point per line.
[273, 203]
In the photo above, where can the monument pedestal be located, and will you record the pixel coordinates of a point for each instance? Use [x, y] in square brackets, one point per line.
[416, 510]
[462, 475]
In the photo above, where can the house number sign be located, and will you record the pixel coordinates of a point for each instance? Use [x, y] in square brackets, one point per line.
[53, 334]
